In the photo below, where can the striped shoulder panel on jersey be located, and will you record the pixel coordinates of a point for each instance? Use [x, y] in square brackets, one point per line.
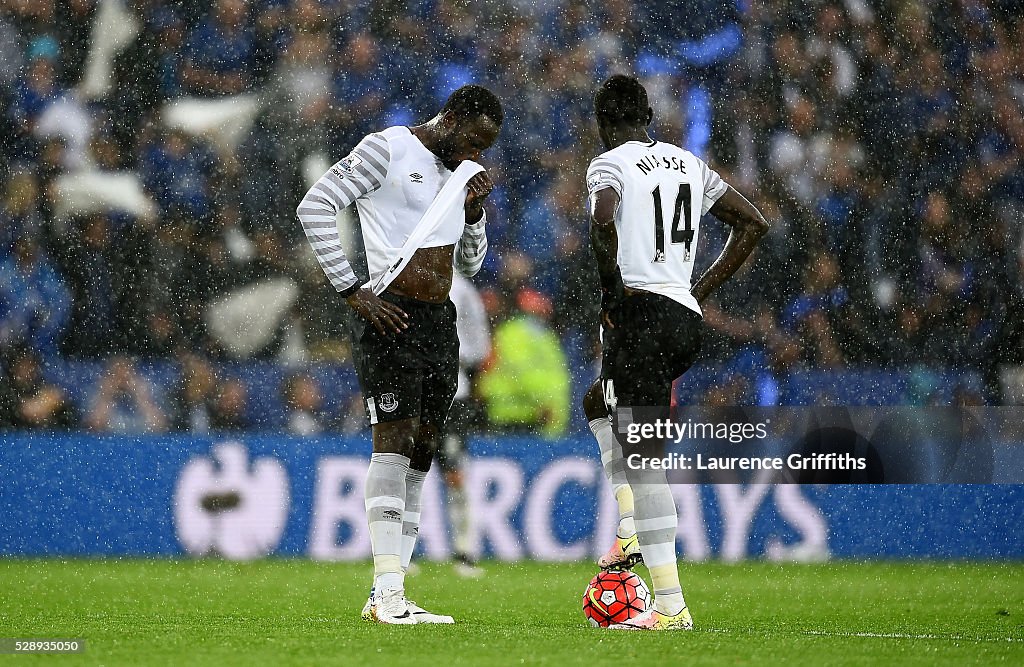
[376, 156]
[364, 169]
[600, 163]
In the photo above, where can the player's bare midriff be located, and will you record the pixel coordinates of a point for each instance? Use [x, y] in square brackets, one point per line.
[427, 276]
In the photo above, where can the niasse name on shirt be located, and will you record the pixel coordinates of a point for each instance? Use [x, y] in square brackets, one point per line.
[651, 162]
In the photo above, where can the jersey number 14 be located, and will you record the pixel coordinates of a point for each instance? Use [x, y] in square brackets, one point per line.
[680, 233]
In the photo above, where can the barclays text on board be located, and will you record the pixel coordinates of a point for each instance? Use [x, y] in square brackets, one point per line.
[80, 495]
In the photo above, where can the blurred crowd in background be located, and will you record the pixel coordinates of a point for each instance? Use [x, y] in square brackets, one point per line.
[883, 139]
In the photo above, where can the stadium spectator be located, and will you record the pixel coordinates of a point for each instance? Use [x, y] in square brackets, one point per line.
[740, 320]
[811, 315]
[73, 20]
[177, 173]
[12, 51]
[43, 107]
[228, 412]
[293, 128]
[864, 123]
[798, 150]
[34, 301]
[303, 404]
[105, 152]
[219, 55]
[124, 401]
[544, 225]
[203, 402]
[168, 40]
[88, 257]
[28, 402]
[19, 210]
[360, 89]
[525, 383]
[51, 163]
[576, 286]
[38, 89]
[944, 278]
[192, 400]
[147, 72]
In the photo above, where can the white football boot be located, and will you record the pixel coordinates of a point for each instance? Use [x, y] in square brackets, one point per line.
[420, 614]
[367, 613]
[423, 616]
[392, 608]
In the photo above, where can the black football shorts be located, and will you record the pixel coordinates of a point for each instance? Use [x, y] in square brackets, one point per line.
[413, 373]
[654, 341]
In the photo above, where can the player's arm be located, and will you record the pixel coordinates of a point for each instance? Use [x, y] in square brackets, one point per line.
[359, 174]
[605, 242]
[748, 226]
[472, 247]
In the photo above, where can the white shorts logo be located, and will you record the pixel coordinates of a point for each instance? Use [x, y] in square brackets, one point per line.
[388, 402]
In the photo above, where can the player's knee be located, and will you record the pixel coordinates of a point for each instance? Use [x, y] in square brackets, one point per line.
[425, 449]
[396, 438]
[428, 436]
[421, 459]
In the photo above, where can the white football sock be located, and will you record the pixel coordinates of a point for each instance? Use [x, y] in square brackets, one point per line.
[385, 507]
[615, 471]
[656, 526]
[411, 517]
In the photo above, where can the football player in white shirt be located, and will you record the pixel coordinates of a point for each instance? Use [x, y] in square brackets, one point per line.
[647, 199]
[406, 348]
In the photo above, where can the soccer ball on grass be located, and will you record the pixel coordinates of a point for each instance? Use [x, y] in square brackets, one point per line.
[615, 596]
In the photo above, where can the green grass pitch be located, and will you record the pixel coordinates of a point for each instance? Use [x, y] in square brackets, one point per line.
[297, 612]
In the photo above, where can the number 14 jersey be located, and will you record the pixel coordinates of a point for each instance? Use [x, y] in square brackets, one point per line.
[663, 191]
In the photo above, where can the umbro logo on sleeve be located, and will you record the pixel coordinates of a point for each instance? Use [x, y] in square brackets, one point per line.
[416, 177]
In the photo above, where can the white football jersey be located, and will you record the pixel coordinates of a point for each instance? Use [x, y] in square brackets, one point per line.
[392, 178]
[664, 191]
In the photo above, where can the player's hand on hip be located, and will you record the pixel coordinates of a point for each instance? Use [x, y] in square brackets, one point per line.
[700, 292]
[612, 299]
[479, 187]
[384, 315]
